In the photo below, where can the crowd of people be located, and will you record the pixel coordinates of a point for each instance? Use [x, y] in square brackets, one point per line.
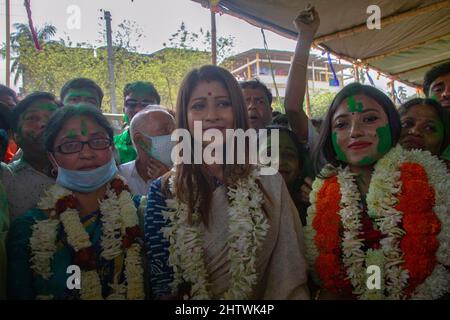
[370, 187]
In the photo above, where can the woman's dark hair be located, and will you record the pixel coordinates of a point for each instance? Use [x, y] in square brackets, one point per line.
[60, 117]
[324, 147]
[7, 91]
[5, 117]
[437, 107]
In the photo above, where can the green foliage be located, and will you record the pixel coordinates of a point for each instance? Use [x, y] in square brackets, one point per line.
[320, 102]
[60, 61]
[185, 39]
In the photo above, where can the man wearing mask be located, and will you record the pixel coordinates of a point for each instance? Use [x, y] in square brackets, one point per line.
[136, 95]
[81, 90]
[150, 130]
[26, 179]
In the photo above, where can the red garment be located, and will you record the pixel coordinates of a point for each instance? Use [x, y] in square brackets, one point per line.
[11, 151]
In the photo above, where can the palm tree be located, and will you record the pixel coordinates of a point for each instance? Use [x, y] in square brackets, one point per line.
[23, 37]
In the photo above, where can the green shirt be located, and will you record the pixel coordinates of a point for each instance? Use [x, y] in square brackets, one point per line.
[446, 154]
[125, 147]
[4, 225]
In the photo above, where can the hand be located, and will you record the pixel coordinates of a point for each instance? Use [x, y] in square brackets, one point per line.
[307, 22]
[155, 168]
[306, 189]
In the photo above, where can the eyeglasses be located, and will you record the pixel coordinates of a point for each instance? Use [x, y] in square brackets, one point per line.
[134, 103]
[77, 146]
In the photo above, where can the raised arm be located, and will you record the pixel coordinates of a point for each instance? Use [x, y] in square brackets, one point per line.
[307, 23]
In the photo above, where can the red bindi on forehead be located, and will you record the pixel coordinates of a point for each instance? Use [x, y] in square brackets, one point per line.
[209, 93]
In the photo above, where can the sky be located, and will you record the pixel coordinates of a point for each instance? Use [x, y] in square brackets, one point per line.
[158, 20]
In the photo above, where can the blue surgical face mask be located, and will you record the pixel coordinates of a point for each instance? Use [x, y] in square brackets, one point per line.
[87, 181]
[161, 148]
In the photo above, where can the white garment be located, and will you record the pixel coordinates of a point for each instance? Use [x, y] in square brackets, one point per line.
[135, 182]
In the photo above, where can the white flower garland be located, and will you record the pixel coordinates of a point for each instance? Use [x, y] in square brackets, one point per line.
[353, 255]
[247, 230]
[381, 200]
[312, 253]
[118, 213]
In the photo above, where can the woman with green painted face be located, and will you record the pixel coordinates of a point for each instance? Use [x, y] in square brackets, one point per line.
[377, 210]
[425, 126]
[294, 163]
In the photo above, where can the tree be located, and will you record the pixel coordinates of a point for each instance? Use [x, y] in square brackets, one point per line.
[185, 39]
[21, 39]
[320, 102]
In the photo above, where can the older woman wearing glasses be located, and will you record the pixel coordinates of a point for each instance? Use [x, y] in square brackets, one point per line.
[81, 241]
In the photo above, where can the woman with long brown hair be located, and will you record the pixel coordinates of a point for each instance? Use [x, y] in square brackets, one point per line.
[216, 230]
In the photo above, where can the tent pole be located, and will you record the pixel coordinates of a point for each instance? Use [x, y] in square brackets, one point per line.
[8, 43]
[213, 38]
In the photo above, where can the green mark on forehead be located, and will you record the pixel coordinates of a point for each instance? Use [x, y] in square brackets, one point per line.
[340, 154]
[384, 139]
[446, 154]
[47, 106]
[73, 93]
[84, 129]
[434, 97]
[354, 106]
[71, 134]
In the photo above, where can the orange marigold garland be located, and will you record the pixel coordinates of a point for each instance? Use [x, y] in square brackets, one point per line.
[328, 239]
[407, 233]
[419, 244]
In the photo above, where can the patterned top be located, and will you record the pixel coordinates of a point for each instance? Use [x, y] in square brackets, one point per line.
[157, 247]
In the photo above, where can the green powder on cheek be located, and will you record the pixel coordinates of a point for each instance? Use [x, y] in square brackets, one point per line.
[384, 139]
[434, 97]
[354, 106]
[340, 154]
[446, 154]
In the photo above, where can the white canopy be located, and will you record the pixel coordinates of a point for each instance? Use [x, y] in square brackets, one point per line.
[414, 34]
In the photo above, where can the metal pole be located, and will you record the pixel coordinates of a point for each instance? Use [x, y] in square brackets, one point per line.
[8, 44]
[213, 38]
[112, 81]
